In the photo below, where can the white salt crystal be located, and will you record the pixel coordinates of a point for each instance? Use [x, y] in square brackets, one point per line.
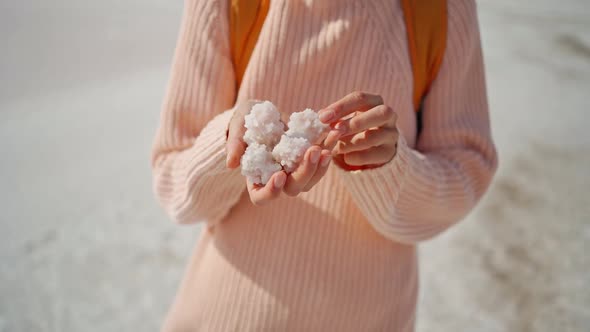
[306, 124]
[289, 152]
[263, 125]
[270, 147]
[258, 164]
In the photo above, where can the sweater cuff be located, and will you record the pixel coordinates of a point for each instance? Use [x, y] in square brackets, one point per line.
[210, 179]
[379, 187]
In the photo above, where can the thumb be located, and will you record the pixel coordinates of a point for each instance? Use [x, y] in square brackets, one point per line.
[235, 148]
[235, 145]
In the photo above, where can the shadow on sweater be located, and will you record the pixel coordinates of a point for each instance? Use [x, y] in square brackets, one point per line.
[309, 261]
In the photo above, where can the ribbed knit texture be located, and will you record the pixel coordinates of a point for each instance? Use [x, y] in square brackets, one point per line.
[341, 257]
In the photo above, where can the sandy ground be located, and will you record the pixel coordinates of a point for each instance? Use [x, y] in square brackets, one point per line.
[84, 247]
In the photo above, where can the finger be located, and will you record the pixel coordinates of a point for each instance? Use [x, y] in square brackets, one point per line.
[366, 140]
[356, 101]
[374, 156]
[297, 180]
[325, 159]
[235, 145]
[235, 149]
[332, 138]
[379, 116]
[260, 195]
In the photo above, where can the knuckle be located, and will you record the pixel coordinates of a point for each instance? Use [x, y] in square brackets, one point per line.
[359, 96]
[337, 109]
[384, 112]
[387, 112]
[377, 100]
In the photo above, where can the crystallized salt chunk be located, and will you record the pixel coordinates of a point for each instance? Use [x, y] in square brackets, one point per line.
[258, 164]
[305, 128]
[289, 152]
[270, 147]
[306, 124]
[263, 125]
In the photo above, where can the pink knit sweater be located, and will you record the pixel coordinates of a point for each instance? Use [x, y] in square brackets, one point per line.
[341, 257]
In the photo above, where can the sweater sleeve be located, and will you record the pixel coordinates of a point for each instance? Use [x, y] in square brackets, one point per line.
[188, 157]
[423, 191]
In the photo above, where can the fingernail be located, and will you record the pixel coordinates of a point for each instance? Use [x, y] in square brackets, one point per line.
[315, 156]
[326, 115]
[280, 180]
[326, 161]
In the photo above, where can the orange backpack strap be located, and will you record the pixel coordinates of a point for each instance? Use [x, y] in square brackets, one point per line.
[245, 22]
[426, 25]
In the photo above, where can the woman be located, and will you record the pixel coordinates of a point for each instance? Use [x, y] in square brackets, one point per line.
[326, 248]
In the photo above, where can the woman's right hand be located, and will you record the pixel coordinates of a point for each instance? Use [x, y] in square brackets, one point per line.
[235, 148]
[235, 145]
[314, 165]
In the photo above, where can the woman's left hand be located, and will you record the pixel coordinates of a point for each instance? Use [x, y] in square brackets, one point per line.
[364, 130]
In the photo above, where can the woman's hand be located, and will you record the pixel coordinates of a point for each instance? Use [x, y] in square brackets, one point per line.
[235, 148]
[262, 194]
[314, 165]
[235, 145]
[310, 171]
[365, 133]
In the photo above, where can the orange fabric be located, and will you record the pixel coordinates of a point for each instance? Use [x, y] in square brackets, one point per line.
[426, 25]
[245, 23]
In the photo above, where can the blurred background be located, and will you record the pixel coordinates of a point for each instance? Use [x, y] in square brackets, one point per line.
[85, 247]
